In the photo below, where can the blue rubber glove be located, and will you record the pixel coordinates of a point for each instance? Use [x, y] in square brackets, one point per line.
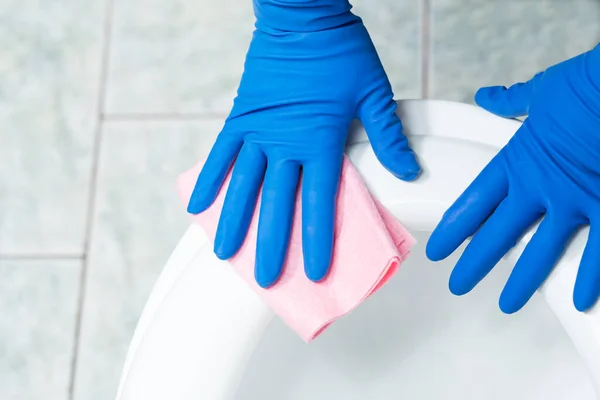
[550, 169]
[310, 70]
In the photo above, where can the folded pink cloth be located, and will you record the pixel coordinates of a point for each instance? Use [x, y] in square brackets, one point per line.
[369, 247]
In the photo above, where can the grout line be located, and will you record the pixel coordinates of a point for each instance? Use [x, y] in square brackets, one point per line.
[104, 63]
[425, 48]
[40, 257]
[162, 116]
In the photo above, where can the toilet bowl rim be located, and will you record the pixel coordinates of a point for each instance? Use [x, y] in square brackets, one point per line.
[435, 113]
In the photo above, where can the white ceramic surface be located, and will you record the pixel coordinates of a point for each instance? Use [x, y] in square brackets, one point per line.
[205, 335]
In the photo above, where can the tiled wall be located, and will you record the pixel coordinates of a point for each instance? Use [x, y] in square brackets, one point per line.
[103, 102]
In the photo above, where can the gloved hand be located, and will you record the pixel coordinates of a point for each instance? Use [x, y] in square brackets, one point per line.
[550, 169]
[311, 68]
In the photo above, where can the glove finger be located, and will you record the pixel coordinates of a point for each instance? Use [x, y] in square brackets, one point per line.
[498, 235]
[536, 262]
[213, 173]
[508, 102]
[385, 131]
[320, 182]
[276, 217]
[587, 284]
[240, 200]
[469, 211]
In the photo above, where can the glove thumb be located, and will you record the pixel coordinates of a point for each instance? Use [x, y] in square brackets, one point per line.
[385, 132]
[508, 103]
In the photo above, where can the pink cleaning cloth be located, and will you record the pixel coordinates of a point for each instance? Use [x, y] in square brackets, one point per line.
[370, 244]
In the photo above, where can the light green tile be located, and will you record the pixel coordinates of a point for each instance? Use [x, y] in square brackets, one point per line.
[137, 223]
[50, 69]
[38, 304]
[481, 42]
[186, 56]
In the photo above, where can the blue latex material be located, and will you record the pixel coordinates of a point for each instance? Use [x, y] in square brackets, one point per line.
[549, 170]
[310, 70]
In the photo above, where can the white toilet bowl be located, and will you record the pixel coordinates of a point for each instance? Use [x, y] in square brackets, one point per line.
[205, 335]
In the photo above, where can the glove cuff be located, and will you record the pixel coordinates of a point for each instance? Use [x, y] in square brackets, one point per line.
[593, 65]
[302, 15]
